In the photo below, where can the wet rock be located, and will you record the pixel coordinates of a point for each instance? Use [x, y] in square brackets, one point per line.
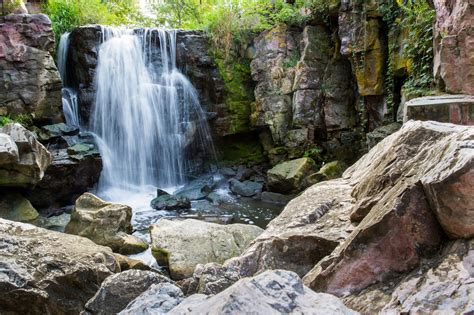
[33, 158]
[287, 177]
[442, 284]
[272, 197]
[65, 180]
[181, 245]
[30, 80]
[105, 223]
[49, 272]
[120, 289]
[197, 189]
[380, 133]
[165, 201]
[15, 207]
[57, 130]
[246, 188]
[453, 49]
[159, 298]
[127, 263]
[219, 198]
[270, 292]
[227, 171]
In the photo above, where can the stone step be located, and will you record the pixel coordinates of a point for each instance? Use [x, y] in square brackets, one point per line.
[456, 109]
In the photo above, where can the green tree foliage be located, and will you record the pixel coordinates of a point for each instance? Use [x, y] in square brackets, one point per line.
[68, 14]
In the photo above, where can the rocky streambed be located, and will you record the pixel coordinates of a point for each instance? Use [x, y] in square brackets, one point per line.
[393, 234]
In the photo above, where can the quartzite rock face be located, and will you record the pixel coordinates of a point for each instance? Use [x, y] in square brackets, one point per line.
[46, 272]
[443, 284]
[120, 289]
[400, 228]
[30, 80]
[304, 92]
[181, 245]
[396, 190]
[272, 292]
[25, 161]
[453, 45]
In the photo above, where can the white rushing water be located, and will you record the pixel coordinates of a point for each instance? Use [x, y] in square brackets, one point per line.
[146, 113]
[69, 95]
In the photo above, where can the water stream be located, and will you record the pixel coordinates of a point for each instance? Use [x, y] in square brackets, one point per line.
[69, 95]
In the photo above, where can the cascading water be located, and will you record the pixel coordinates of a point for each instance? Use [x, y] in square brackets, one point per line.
[146, 114]
[69, 95]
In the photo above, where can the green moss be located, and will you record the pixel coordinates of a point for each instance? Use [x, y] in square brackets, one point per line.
[242, 149]
[161, 255]
[239, 95]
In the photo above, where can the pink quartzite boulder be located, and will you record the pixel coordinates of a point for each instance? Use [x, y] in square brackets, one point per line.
[454, 45]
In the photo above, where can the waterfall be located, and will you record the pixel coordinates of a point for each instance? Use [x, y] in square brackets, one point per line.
[62, 56]
[69, 95]
[147, 114]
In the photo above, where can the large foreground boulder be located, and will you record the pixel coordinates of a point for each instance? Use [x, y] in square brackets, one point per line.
[105, 223]
[443, 284]
[181, 245]
[23, 160]
[400, 227]
[120, 289]
[272, 292]
[46, 272]
[408, 192]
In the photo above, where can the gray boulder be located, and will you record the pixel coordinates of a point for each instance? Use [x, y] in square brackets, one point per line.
[15, 207]
[272, 292]
[120, 289]
[105, 223]
[159, 298]
[287, 177]
[181, 245]
[8, 150]
[246, 189]
[25, 163]
[46, 272]
[165, 201]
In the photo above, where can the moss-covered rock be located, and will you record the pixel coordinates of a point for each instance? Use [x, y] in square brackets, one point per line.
[244, 149]
[288, 177]
[15, 207]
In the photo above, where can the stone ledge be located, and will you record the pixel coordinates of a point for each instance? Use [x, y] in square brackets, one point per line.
[456, 109]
